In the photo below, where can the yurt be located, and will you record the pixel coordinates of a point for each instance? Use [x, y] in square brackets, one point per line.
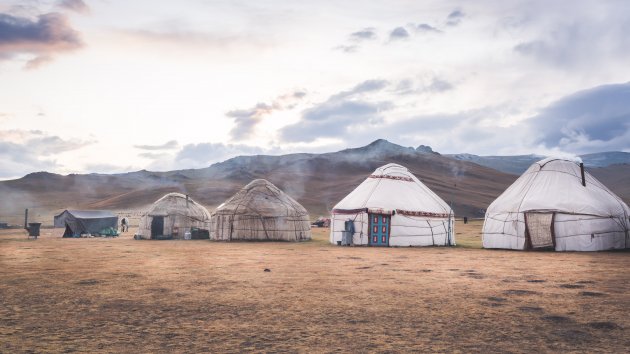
[175, 216]
[261, 212]
[392, 208]
[557, 205]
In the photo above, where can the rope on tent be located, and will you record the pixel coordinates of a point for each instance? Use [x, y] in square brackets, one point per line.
[231, 217]
[263, 227]
[448, 233]
[421, 235]
[378, 182]
[593, 182]
[591, 234]
[518, 209]
[180, 214]
[504, 233]
[429, 192]
[247, 217]
[241, 213]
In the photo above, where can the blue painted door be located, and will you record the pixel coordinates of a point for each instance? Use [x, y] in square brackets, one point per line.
[379, 230]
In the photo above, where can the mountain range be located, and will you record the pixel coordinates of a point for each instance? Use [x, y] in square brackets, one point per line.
[519, 163]
[318, 181]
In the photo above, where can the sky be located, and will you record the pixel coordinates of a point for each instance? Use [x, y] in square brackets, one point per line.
[113, 86]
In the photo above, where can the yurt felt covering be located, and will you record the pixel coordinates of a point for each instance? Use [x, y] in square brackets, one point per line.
[418, 216]
[548, 206]
[261, 212]
[179, 214]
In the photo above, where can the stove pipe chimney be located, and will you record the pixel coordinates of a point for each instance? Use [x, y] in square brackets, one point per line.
[582, 171]
[26, 219]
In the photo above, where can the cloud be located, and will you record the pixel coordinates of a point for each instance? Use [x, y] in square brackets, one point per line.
[36, 63]
[107, 168]
[470, 130]
[432, 85]
[154, 155]
[334, 119]
[179, 33]
[363, 35]
[358, 116]
[49, 34]
[579, 43]
[204, 154]
[455, 18]
[439, 85]
[467, 130]
[169, 145]
[363, 87]
[26, 151]
[425, 28]
[596, 119]
[339, 114]
[199, 155]
[74, 5]
[592, 120]
[368, 33]
[347, 48]
[246, 120]
[590, 38]
[398, 33]
[557, 47]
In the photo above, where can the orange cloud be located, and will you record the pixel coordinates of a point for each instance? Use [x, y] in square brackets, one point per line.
[49, 34]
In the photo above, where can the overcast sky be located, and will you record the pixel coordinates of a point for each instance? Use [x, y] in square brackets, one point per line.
[113, 86]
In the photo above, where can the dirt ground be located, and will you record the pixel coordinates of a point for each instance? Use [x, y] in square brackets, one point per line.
[122, 295]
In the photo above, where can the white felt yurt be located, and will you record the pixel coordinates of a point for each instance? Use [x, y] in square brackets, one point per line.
[260, 212]
[556, 204]
[175, 215]
[393, 208]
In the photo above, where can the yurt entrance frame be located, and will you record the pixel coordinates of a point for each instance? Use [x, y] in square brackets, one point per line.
[157, 226]
[380, 225]
[539, 230]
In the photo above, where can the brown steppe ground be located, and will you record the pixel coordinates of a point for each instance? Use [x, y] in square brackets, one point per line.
[122, 295]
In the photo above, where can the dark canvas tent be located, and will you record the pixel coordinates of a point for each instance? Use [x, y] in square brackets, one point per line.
[79, 222]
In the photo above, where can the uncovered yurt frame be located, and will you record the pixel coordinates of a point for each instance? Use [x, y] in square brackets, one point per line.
[261, 211]
[172, 216]
[555, 204]
[79, 222]
[392, 207]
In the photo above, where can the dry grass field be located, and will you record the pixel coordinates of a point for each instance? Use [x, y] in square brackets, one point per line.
[121, 295]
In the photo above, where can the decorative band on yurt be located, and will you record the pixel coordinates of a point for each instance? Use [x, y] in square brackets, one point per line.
[421, 213]
[398, 178]
[389, 212]
[349, 211]
[380, 211]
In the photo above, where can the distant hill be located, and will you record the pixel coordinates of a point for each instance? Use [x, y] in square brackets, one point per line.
[519, 163]
[509, 164]
[616, 177]
[318, 181]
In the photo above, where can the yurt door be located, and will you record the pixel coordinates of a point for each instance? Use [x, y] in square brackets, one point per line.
[157, 226]
[539, 229]
[379, 230]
